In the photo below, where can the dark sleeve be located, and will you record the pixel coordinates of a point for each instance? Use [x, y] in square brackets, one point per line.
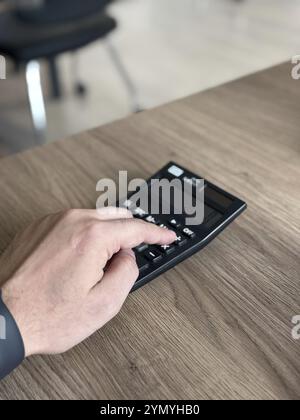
[12, 351]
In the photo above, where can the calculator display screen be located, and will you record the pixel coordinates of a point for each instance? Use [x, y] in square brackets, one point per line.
[218, 198]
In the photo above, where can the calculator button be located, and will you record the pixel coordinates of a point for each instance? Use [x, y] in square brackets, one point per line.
[189, 233]
[141, 263]
[163, 226]
[181, 240]
[175, 223]
[176, 171]
[141, 248]
[166, 249]
[151, 219]
[127, 204]
[152, 255]
[139, 212]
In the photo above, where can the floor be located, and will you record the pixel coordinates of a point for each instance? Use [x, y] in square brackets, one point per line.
[172, 48]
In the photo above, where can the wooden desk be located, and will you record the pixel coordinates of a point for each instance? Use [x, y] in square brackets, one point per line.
[219, 325]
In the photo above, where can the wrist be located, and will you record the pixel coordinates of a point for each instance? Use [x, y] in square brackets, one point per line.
[14, 306]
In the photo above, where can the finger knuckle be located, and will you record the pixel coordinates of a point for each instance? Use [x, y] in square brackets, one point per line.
[141, 228]
[92, 229]
[70, 214]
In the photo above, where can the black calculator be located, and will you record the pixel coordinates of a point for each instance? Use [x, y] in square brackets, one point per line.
[220, 209]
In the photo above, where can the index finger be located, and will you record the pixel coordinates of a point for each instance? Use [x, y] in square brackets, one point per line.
[129, 233]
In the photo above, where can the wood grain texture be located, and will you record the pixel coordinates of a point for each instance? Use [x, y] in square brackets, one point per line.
[218, 325]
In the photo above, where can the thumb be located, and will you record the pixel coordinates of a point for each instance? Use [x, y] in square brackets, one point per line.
[119, 278]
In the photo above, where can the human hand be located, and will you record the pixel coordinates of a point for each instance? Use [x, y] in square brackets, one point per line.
[70, 273]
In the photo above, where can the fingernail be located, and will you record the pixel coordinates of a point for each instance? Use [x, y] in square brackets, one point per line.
[173, 234]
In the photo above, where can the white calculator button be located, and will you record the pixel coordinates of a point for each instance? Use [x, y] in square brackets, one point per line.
[189, 233]
[174, 170]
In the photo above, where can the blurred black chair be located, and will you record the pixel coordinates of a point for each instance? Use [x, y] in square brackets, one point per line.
[28, 34]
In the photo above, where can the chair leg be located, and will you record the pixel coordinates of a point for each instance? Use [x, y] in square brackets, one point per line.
[131, 88]
[36, 99]
[56, 88]
[80, 88]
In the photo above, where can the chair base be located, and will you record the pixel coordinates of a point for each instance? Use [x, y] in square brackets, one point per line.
[36, 100]
[125, 77]
[54, 76]
[35, 93]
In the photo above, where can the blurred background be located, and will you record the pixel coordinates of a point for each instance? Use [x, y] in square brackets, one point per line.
[72, 65]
